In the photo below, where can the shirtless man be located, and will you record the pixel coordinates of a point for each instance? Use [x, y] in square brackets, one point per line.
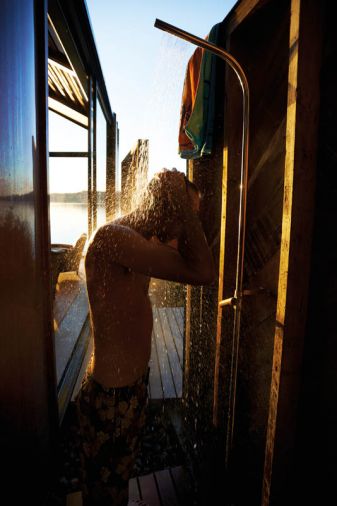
[162, 238]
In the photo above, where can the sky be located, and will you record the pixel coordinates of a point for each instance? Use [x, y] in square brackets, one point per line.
[144, 70]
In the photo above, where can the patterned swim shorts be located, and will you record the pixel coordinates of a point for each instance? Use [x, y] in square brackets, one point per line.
[111, 422]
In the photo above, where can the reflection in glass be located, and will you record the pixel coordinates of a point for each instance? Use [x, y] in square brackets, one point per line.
[68, 189]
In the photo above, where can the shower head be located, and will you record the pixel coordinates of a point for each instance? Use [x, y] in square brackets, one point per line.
[205, 44]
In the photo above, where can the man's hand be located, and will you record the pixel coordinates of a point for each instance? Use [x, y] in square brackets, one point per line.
[175, 185]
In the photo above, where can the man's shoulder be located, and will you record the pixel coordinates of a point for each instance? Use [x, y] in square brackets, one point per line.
[109, 236]
[105, 231]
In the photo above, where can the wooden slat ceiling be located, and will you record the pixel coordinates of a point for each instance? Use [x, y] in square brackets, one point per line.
[66, 94]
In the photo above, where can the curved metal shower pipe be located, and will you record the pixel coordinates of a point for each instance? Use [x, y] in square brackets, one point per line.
[236, 300]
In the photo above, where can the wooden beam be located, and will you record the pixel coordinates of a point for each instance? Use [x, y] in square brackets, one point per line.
[68, 154]
[241, 11]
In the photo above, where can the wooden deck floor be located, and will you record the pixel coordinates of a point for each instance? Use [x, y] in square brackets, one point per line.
[166, 363]
[168, 487]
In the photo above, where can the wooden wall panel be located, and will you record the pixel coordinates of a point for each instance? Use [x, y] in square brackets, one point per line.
[260, 43]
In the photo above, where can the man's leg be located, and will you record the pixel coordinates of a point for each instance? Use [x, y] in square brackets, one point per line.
[111, 423]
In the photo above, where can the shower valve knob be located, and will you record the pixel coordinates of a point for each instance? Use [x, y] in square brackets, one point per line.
[228, 302]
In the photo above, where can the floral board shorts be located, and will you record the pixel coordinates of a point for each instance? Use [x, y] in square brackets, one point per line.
[110, 424]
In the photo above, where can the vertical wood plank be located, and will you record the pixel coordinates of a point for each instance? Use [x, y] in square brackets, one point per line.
[285, 244]
[299, 177]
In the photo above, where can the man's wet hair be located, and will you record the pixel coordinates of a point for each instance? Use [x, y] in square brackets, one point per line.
[156, 199]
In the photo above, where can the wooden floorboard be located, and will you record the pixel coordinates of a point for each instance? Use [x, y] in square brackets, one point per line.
[155, 381]
[166, 361]
[172, 353]
[134, 491]
[179, 314]
[168, 495]
[67, 289]
[177, 333]
[163, 361]
[182, 485]
[69, 330]
[166, 487]
[148, 490]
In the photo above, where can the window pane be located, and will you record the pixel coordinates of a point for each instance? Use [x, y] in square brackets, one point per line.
[64, 135]
[101, 164]
[68, 179]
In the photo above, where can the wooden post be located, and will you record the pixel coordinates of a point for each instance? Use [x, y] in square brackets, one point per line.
[111, 156]
[90, 155]
[94, 157]
[188, 306]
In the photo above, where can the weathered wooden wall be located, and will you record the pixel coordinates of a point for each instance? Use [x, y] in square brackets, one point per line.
[260, 43]
[278, 43]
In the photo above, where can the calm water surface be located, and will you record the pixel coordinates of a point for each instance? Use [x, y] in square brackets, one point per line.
[69, 221]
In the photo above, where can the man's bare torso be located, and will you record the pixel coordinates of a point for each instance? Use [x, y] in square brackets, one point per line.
[121, 316]
[121, 258]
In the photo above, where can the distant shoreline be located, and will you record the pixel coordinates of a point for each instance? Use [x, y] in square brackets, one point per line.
[75, 198]
[61, 198]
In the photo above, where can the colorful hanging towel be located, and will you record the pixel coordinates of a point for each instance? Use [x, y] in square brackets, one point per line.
[188, 99]
[198, 125]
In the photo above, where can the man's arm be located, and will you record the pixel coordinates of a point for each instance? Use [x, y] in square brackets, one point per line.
[192, 244]
[192, 263]
[123, 246]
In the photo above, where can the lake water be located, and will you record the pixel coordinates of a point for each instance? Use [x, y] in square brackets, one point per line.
[69, 221]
